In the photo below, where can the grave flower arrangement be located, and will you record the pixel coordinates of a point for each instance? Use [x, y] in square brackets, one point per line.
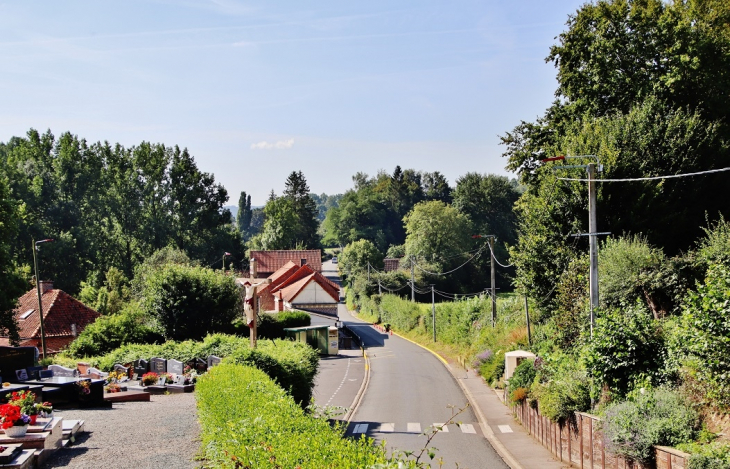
[113, 387]
[12, 416]
[150, 378]
[45, 409]
[83, 388]
[25, 400]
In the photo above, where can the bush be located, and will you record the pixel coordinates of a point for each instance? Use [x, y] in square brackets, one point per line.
[561, 397]
[627, 347]
[271, 326]
[248, 421]
[110, 332]
[522, 379]
[715, 455]
[703, 336]
[493, 369]
[655, 417]
[190, 302]
[292, 365]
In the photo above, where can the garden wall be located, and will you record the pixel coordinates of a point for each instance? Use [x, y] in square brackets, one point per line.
[582, 445]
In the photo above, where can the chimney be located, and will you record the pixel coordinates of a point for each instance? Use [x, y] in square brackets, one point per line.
[254, 268]
[46, 285]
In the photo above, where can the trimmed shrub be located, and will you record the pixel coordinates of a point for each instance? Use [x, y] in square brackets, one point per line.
[560, 398]
[248, 421]
[271, 326]
[655, 417]
[715, 455]
[522, 379]
[110, 332]
[292, 365]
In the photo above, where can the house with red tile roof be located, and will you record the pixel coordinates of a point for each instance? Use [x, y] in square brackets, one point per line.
[265, 263]
[64, 317]
[391, 264]
[307, 290]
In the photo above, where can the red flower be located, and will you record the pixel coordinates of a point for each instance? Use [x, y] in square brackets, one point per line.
[9, 413]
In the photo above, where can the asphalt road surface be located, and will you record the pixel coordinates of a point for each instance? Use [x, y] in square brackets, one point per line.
[409, 392]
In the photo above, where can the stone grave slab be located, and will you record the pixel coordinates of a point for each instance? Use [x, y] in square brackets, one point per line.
[175, 367]
[213, 361]
[158, 365]
[199, 365]
[141, 367]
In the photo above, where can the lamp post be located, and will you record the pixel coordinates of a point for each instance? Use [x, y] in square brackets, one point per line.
[224, 260]
[35, 247]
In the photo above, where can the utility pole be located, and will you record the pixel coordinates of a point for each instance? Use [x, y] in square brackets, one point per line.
[380, 288]
[34, 247]
[490, 240]
[368, 273]
[591, 169]
[433, 312]
[593, 245]
[413, 282]
[527, 320]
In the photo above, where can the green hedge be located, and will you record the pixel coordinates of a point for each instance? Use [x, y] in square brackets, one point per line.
[293, 365]
[271, 326]
[248, 421]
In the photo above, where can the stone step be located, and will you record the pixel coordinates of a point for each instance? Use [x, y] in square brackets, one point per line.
[127, 396]
[25, 460]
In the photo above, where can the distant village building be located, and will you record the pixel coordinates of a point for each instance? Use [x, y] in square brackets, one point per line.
[391, 264]
[299, 286]
[265, 263]
[64, 317]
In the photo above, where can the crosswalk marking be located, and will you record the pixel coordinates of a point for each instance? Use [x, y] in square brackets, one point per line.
[387, 427]
[505, 428]
[361, 428]
[467, 428]
[414, 427]
[440, 427]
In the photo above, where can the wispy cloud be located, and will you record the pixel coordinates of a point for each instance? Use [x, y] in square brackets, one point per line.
[280, 145]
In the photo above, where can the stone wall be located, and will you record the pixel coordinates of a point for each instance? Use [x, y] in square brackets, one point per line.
[582, 445]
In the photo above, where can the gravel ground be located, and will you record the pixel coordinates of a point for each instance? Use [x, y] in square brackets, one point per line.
[162, 433]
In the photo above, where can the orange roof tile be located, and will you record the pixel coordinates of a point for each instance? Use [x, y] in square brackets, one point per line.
[271, 261]
[60, 310]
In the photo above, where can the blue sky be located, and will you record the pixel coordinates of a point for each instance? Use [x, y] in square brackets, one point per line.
[258, 89]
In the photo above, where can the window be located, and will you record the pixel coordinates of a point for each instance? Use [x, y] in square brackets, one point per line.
[26, 314]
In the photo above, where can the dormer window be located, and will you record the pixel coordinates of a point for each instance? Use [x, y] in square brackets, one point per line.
[26, 314]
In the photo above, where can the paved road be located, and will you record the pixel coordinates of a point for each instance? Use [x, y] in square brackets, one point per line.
[409, 391]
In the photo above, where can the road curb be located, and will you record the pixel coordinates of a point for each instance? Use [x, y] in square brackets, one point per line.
[363, 386]
[502, 450]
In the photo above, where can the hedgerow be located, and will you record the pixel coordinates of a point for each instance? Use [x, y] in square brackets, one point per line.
[248, 421]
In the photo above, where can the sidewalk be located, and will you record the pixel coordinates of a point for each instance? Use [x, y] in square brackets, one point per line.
[507, 436]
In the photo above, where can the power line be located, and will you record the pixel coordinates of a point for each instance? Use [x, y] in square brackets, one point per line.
[453, 270]
[495, 258]
[652, 178]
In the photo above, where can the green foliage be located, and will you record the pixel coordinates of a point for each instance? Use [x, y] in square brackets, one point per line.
[246, 419]
[627, 347]
[11, 283]
[270, 326]
[703, 334]
[714, 247]
[621, 263]
[523, 377]
[436, 231]
[571, 316]
[357, 255]
[190, 302]
[715, 455]
[292, 365]
[655, 417]
[111, 332]
[492, 370]
[563, 395]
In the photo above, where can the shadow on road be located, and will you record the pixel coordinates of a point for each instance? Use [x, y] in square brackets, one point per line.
[369, 336]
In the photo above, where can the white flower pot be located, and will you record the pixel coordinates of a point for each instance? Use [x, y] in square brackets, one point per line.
[16, 431]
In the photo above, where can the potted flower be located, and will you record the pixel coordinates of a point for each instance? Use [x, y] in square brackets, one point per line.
[113, 387]
[150, 378]
[26, 401]
[14, 422]
[45, 409]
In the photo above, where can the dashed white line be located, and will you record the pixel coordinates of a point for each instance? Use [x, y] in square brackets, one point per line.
[386, 427]
[347, 370]
[505, 428]
[414, 427]
[361, 428]
[467, 428]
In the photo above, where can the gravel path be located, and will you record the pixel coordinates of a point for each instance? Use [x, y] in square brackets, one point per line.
[162, 433]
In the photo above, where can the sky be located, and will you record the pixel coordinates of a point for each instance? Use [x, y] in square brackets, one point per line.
[258, 89]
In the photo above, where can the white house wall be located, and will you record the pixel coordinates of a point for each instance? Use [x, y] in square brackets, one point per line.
[313, 293]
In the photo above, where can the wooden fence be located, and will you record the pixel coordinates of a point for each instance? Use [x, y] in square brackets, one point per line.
[582, 445]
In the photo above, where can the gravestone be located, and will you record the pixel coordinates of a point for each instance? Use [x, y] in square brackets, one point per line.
[59, 370]
[34, 372]
[180, 380]
[161, 380]
[175, 367]
[16, 358]
[199, 365]
[121, 369]
[141, 367]
[158, 365]
[213, 361]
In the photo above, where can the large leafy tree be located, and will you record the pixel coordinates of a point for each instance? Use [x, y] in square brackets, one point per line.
[643, 85]
[11, 282]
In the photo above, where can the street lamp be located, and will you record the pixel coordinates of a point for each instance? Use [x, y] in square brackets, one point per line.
[35, 247]
[224, 260]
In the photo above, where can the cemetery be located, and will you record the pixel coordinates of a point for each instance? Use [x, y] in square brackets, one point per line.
[29, 393]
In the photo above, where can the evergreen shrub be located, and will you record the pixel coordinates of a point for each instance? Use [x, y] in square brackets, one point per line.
[248, 421]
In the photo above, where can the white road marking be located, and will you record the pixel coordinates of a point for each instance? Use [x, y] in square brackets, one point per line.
[386, 427]
[414, 427]
[505, 428]
[361, 428]
[347, 370]
[440, 427]
[467, 428]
